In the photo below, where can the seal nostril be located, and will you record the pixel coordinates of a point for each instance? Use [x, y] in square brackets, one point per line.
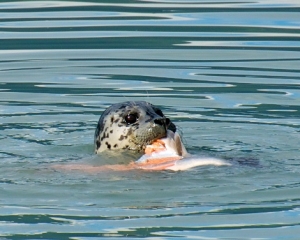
[167, 121]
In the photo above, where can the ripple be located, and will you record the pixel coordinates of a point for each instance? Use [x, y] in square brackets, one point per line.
[227, 74]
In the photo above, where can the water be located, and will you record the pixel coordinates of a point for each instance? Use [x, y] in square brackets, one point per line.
[227, 73]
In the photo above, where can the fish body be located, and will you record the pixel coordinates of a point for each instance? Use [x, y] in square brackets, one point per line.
[169, 153]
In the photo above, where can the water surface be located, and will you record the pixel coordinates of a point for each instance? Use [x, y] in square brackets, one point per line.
[227, 73]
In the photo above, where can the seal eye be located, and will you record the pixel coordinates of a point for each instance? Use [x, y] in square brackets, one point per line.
[131, 118]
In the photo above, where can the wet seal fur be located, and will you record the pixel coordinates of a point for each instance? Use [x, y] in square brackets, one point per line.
[130, 125]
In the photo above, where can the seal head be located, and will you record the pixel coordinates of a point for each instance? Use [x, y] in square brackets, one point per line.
[130, 125]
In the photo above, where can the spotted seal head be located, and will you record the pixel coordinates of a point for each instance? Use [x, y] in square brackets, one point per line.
[130, 125]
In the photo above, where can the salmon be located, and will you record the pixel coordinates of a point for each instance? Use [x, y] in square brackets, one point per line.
[166, 153]
[162, 153]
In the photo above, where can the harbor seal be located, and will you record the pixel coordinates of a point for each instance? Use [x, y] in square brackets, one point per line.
[130, 126]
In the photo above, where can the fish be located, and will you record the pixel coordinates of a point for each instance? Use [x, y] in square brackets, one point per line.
[162, 153]
[168, 153]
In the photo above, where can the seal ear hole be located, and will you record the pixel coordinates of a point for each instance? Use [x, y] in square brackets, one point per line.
[131, 118]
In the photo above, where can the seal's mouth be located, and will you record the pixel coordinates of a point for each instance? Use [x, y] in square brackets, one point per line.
[156, 133]
[163, 152]
[149, 133]
[148, 137]
[158, 137]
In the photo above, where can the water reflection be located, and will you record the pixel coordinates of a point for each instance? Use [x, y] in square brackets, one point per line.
[226, 73]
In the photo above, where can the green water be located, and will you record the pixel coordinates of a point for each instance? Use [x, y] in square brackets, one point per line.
[227, 74]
